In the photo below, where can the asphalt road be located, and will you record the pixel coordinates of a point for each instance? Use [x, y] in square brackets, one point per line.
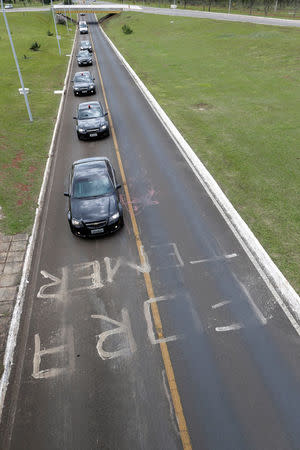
[89, 371]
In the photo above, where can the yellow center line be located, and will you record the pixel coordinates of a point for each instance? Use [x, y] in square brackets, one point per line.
[184, 433]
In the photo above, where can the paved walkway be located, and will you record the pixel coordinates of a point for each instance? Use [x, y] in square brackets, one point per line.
[12, 253]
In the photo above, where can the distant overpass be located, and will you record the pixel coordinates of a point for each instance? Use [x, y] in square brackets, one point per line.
[108, 8]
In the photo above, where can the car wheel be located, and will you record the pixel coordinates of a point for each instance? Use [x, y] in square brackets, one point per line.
[79, 136]
[108, 133]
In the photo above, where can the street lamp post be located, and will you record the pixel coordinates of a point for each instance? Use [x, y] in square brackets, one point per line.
[55, 28]
[16, 61]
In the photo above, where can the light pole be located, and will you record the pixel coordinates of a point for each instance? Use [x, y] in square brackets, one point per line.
[55, 28]
[17, 63]
[229, 6]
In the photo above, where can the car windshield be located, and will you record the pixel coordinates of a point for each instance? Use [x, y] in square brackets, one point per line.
[84, 53]
[85, 44]
[94, 185]
[89, 113]
[82, 77]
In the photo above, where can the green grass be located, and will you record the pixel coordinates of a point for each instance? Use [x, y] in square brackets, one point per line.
[23, 145]
[233, 91]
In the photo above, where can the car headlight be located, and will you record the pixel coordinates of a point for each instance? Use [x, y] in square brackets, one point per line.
[103, 126]
[91, 86]
[76, 222]
[114, 217]
[75, 89]
[81, 130]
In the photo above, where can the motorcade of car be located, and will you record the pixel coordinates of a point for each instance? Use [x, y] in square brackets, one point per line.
[94, 207]
[91, 121]
[83, 29]
[83, 83]
[86, 45]
[84, 58]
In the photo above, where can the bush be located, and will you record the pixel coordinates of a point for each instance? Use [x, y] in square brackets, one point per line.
[35, 46]
[49, 33]
[126, 29]
[60, 20]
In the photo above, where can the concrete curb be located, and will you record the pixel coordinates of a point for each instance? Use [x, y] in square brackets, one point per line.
[280, 288]
[15, 321]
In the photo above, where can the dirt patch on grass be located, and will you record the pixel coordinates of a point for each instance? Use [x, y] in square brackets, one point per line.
[202, 106]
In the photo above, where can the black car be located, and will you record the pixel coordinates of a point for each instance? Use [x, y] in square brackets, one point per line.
[83, 83]
[86, 45]
[91, 121]
[94, 204]
[84, 58]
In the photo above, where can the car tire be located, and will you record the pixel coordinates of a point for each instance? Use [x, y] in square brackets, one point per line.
[79, 136]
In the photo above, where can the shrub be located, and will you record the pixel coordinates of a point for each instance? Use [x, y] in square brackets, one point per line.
[60, 20]
[35, 46]
[126, 29]
[49, 33]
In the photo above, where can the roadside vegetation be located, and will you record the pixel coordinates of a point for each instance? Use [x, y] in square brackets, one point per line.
[232, 89]
[24, 145]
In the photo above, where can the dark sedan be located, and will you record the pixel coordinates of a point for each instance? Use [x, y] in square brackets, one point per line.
[83, 83]
[94, 204]
[84, 58]
[86, 45]
[91, 121]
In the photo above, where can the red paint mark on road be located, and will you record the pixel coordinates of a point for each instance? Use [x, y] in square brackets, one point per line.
[138, 204]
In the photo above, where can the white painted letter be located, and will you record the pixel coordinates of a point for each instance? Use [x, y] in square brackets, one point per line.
[123, 327]
[148, 318]
[38, 353]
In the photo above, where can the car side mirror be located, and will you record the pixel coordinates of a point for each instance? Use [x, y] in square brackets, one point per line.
[93, 78]
[74, 117]
[118, 186]
[105, 114]
[66, 194]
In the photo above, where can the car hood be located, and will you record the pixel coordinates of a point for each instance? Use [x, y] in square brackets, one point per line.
[83, 84]
[83, 58]
[92, 123]
[94, 209]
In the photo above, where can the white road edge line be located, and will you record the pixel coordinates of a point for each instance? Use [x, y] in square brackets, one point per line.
[15, 321]
[283, 292]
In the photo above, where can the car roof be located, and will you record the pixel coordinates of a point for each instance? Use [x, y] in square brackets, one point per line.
[83, 72]
[85, 105]
[90, 163]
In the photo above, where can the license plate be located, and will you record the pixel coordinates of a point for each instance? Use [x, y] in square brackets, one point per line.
[97, 231]
[93, 134]
[84, 92]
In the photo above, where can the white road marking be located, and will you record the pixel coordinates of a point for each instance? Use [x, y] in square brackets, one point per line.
[148, 318]
[217, 258]
[145, 268]
[175, 254]
[55, 371]
[123, 327]
[94, 276]
[55, 282]
[219, 305]
[172, 412]
[233, 326]
[254, 307]
[109, 270]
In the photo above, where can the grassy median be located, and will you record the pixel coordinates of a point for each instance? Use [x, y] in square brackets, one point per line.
[233, 91]
[24, 145]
